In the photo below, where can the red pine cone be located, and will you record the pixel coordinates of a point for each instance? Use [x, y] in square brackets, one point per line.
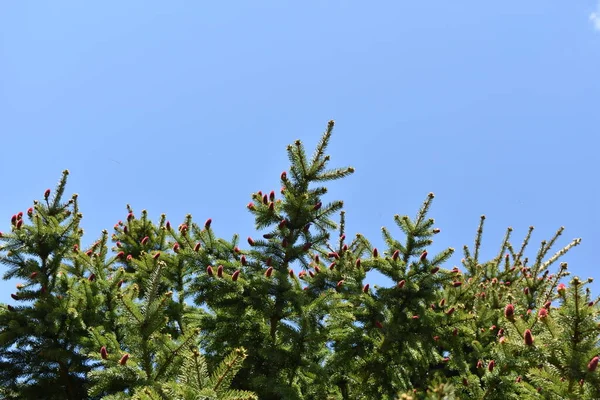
[235, 275]
[47, 194]
[375, 252]
[379, 324]
[332, 265]
[509, 312]
[284, 176]
[265, 199]
[124, 359]
[10, 308]
[340, 283]
[251, 206]
[30, 211]
[19, 224]
[491, 365]
[176, 247]
[423, 255]
[13, 219]
[272, 195]
[436, 230]
[291, 273]
[542, 313]
[528, 337]
[358, 263]
[435, 269]
[450, 311]
[207, 223]
[197, 247]
[317, 206]
[92, 277]
[220, 271]
[209, 271]
[168, 226]
[14, 296]
[593, 364]
[282, 224]
[156, 255]
[269, 272]
[121, 254]
[479, 364]
[243, 260]
[442, 302]
[250, 241]
[366, 288]
[145, 240]
[396, 255]
[547, 305]
[333, 254]
[33, 275]
[317, 269]
[306, 246]
[456, 283]
[401, 283]
[312, 274]
[103, 353]
[120, 283]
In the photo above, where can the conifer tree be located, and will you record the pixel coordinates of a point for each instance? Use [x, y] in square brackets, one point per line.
[179, 313]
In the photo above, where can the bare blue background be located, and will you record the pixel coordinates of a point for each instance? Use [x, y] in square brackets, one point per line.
[187, 106]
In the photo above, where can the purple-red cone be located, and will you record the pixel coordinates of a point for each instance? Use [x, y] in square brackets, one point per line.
[528, 337]
[207, 223]
[235, 275]
[366, 288]
[103, 353]
[593, 364]
[47, 194]
[269, 272]
[209, 271]
[491, 365]
[396, 255]
[197, 247]
[509, 311]
[220, 271]
[124, 359]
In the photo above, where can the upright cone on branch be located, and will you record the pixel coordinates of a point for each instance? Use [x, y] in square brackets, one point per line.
[593, 364]
[528, 336]
[103, 353]
[235, 275]
[124, 359]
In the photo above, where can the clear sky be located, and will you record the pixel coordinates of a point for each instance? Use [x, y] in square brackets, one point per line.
[186, 107]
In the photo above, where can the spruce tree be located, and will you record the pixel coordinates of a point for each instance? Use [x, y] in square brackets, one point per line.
[155, 311]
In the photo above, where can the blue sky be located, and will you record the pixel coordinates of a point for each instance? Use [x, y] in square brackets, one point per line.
[186, 107]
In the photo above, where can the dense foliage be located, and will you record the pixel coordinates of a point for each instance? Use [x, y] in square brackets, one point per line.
[155, 311]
